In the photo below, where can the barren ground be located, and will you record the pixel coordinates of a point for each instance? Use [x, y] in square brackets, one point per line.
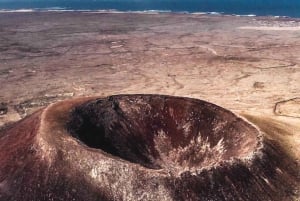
[249, 65]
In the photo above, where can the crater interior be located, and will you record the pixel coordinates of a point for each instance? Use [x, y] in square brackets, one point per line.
[159, 132]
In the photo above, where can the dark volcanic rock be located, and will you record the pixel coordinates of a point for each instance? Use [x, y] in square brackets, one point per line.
[3, 108]
[141, 147]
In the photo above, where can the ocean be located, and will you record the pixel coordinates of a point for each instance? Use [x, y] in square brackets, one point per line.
[288, 8]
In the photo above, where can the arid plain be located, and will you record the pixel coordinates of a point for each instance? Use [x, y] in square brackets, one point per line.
[249, 65]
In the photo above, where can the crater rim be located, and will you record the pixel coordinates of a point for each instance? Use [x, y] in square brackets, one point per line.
[157, 165]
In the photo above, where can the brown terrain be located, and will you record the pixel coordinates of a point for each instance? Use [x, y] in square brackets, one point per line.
[249, 65]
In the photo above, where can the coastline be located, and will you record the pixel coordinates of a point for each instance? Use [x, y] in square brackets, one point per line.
[59, 9]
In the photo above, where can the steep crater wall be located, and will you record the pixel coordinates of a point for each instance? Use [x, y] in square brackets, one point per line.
[163, 132]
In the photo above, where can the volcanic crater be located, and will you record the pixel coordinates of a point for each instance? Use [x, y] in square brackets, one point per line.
[142, 147]
[163, 132]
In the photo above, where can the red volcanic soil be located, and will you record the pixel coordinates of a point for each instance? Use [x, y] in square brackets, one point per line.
[149, 147]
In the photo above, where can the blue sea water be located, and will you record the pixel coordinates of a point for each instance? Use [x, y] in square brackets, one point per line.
[290, 8]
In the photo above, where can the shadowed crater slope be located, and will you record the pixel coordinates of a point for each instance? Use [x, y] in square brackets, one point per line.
[163, 132]
[144, 147]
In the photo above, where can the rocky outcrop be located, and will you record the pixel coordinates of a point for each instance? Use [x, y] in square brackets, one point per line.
[289, 108]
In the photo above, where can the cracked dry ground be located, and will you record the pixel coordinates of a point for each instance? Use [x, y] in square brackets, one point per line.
[46, 57]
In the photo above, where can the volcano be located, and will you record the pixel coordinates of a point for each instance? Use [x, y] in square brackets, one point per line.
[142, 147]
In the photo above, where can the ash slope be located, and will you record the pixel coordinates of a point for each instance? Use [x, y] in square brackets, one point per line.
[45, 156]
